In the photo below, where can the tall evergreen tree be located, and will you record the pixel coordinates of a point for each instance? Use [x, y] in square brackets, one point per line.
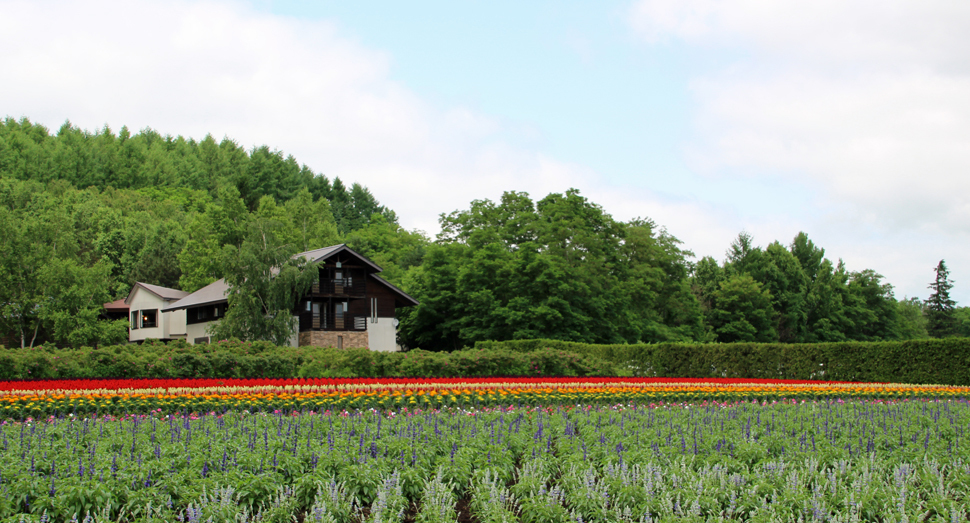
[939, 307]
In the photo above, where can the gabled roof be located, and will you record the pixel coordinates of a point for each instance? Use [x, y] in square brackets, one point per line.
[405, 297]
[214, 292]
[162, 292]
[116, 306]
[327, 252]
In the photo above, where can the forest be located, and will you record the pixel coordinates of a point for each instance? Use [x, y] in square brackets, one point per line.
[84, 215]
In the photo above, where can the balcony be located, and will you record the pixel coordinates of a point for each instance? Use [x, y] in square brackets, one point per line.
[322, 322]
[351, 287]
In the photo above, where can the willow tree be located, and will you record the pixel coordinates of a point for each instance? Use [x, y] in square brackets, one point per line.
[265, 280]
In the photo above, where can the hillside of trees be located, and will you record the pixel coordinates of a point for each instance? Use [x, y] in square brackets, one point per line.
[85, 215]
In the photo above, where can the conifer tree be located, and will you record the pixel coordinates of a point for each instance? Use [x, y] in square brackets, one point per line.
[941, 318]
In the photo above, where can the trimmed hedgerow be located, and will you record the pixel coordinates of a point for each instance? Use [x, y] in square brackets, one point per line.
[236, 359]
[943, 361]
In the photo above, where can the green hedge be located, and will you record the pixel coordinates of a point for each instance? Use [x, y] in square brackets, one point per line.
[235, 359]
[938, 361]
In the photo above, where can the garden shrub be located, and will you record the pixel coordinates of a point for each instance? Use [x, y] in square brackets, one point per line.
[236, 359]
[940, 361]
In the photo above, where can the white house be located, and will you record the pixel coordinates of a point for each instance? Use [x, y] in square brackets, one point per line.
[148, 320]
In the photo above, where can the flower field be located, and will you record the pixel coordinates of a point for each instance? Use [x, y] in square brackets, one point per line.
[487, 450]
[19, 400]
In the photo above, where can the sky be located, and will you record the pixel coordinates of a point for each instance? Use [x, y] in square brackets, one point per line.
[849, 121]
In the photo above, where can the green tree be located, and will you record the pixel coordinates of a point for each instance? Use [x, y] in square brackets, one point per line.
[265, 280]
[155, 259]
[781, 274]
[393, 248]
[743, 255]
[224, 224]
[654, 282]
[941, 321]
[871, 308]
[71, 305]
[559, 268]
[312, 220]
[911, 319]
[742, 311]
[962, 315]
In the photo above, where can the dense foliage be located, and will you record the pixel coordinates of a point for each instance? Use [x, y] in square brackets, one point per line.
[794, 295]
[816, 461]
[557, 268]
[943, 361]
[234, 359]
[562, 268]
[85, 215]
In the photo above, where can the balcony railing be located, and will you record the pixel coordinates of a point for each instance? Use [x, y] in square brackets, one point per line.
[319, 321]
[340, 287]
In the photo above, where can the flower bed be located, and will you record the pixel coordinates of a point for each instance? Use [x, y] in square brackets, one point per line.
[491, 450]
[23, 399]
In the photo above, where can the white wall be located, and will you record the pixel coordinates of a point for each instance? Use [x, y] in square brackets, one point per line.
[197, 330]
[382, 336]
[175, 323]
[169, 324]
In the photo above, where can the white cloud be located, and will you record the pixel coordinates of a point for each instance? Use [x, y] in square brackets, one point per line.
[194, 68]
[866, 101]
[853, 101]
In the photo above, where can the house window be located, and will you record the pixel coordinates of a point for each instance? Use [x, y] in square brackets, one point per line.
[134, 319]
[149, 319]
[340, 342]
[205, 313]
[202, 341]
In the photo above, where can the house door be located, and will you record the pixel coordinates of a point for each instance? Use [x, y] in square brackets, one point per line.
[316, 316]
[338, 282]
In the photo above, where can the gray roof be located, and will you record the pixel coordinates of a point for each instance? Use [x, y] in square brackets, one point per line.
[317, 254]
[214, 292]
[162, 292]
[326, 252]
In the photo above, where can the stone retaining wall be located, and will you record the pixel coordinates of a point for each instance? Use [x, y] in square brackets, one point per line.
[351, 339]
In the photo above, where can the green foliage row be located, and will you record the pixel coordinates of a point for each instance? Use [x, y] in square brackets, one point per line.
[927, 361]
[236, 359]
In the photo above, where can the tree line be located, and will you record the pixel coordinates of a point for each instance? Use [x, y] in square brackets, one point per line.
[85, 215]
[562, 268]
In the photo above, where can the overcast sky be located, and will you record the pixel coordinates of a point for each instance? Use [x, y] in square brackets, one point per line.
[847, 120]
